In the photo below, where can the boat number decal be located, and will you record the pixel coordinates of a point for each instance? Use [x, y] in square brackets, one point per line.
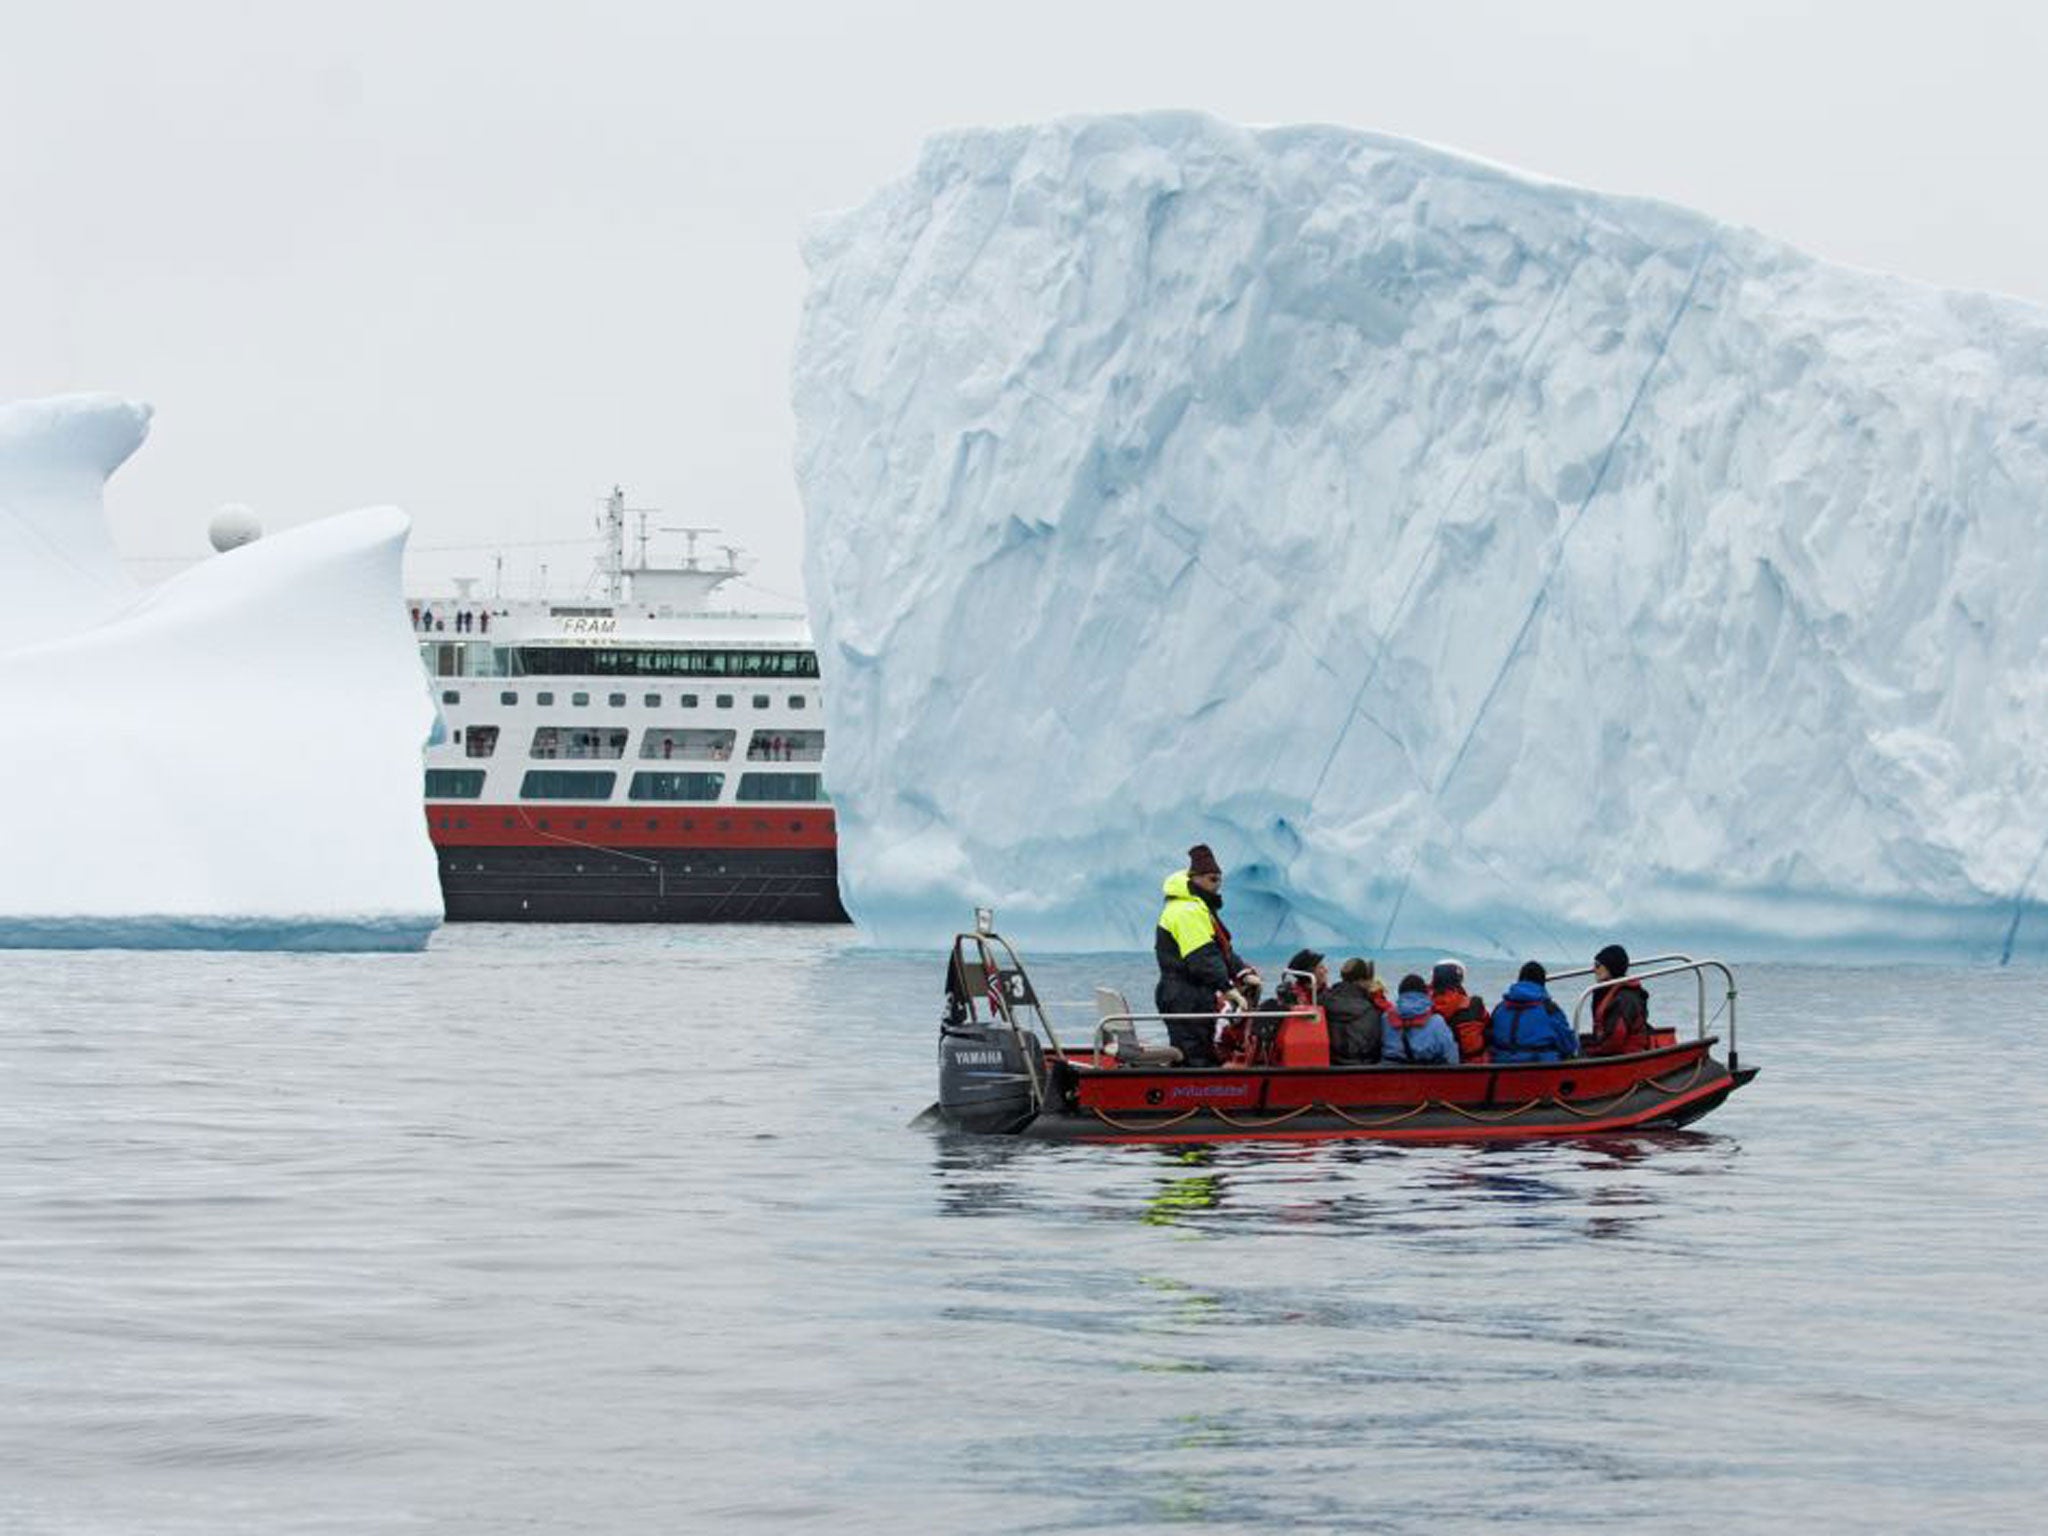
[1016, 986]
[1235, 1092]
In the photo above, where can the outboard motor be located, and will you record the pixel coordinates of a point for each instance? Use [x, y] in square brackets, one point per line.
[991, 1069]
[986, 1082]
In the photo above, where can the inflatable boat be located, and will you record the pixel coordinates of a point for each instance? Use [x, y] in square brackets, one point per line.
[1004, 1071]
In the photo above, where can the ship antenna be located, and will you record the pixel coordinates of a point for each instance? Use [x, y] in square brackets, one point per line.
[689, 543]
[615, 544]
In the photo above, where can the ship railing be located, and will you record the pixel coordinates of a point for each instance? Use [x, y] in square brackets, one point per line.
[1661, 967]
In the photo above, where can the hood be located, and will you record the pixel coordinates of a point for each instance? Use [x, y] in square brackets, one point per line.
[1176, 888]
[1414, 1007]
[1526, 992]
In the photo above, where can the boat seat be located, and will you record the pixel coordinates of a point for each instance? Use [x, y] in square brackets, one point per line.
[1120, 1039]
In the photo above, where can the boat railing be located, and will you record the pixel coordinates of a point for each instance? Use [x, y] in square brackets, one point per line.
[1659, 967]
[1114, 1016]
[990, 975]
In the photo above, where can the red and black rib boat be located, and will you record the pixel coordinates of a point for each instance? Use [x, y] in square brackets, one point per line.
[1002, 1071]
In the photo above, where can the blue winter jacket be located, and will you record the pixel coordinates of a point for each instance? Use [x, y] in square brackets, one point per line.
[1527, 1026]
[1408, 1043]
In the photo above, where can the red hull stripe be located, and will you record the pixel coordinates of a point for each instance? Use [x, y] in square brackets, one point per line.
[466, 824]
[1369, 1090]
[1527, 1131]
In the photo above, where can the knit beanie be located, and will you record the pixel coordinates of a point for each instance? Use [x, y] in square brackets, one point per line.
[1202, 862]
[1448, 974]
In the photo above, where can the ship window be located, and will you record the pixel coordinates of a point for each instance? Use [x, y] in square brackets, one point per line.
[616, 700]
[451, 696]
[566, 784]
[687, 701]
[796, 701]
[580, 700]
[543, 698]
[483, 741]
[652, 701]
[578, 741]
[676, 786]
[724, 701]
[454, 783]
[508, 698]
[635, 661]
[671, 742]
[760, 701]
[786, 747]
[781, 786]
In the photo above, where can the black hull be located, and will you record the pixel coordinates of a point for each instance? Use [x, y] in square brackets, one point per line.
[678, 885]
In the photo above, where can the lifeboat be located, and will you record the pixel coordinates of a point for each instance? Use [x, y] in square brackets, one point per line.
[1004, 1071]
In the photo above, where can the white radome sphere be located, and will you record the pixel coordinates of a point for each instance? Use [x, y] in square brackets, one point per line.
[233, 526]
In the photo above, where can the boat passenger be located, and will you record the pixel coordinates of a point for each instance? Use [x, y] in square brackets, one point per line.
[1621, 1015]
[1199, 972]
[1415, 1033]
[1306, 988]
[1353, 1007]
[1527, 1025]
[1464, 1013]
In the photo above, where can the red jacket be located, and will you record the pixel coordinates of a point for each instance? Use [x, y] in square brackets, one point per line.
[1621, 1020]
[1467, 1018]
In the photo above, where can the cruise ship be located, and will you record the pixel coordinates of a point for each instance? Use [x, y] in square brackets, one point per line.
[638, 756]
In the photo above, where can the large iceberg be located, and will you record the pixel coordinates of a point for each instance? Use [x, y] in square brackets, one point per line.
[228, 760]
[1476, 562]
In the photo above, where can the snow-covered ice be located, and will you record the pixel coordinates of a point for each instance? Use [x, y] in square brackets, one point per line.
[1476, 562]
[228, 760]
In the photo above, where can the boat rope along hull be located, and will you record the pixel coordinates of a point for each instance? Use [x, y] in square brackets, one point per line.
[1420, 1122]
[1664, 1088]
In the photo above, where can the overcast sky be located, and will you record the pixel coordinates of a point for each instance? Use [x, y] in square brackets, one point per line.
[484, 260]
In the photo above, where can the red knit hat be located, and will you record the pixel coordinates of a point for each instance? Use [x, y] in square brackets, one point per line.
[1202, 862]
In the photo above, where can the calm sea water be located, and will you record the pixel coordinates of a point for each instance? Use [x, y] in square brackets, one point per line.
[603, 1230]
